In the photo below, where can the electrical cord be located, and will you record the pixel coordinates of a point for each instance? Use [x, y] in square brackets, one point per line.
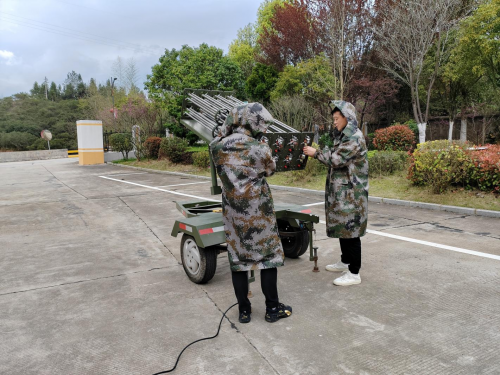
[194, 342]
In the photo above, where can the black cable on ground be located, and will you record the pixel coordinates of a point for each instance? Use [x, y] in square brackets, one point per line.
[194, 342]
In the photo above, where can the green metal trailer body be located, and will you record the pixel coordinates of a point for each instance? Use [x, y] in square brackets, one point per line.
[203, 220]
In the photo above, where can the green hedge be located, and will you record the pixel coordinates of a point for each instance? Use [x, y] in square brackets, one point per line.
[201, 159]
[174, 149]
[382, 163]
[121, 142]
[439, 164]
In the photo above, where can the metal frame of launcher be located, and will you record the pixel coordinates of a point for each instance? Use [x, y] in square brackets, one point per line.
[202, 227]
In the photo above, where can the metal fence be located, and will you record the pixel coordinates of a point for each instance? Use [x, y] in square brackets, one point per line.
[107, 134]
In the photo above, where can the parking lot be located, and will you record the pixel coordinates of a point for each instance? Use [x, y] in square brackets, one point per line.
[91, 282]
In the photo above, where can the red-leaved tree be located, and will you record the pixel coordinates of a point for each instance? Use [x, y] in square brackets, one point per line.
[294, 35]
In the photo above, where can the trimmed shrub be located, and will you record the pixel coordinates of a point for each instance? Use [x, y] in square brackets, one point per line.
[152, 146]
[174, 149]
[121, 142]
[201, 159]
[439, 164]
[387, 162]
[486, 168]
[394, 138]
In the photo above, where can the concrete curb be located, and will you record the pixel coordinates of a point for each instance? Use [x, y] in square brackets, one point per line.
[396, 202]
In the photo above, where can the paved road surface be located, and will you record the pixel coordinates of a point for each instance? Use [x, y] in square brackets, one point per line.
[91, 283]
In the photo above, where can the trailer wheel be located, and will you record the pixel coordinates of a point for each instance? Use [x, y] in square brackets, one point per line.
[199, 263]
[295, 241]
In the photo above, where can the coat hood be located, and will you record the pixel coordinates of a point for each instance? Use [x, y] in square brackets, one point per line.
[349, 111]
[251, 119]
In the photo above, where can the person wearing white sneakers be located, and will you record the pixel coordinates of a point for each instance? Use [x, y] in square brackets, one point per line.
[346, 195]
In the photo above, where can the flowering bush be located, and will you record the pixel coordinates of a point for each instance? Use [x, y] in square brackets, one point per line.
[439, 164]
[394, 138]
[486, 168]
[152, 146]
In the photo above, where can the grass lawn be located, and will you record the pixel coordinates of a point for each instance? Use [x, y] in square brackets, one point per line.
[395, 186]
[164, 165]
[197, 148]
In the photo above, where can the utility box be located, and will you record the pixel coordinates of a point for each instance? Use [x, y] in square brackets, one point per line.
[90, 143]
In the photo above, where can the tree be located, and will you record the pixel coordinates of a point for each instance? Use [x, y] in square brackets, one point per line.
[131, 78]
[261, 82]
[46, 87]
[74, 87]
[313, 79]
[405, 35]
[138, 111]
[347, 30]
[244, 48]
[370, 95]
[294, 111]
[36, 91]
[118, 70]
[291, 37]
[54, 93]
[265, 13]
[455, 86]
[479, 42]
[204, 67]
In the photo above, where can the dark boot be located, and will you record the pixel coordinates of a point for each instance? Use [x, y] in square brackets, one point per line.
[277, 313]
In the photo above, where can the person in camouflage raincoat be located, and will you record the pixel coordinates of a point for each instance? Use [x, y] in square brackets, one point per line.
[346, 192]
[253, 242]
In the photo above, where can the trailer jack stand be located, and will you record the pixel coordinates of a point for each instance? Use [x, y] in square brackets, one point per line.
[313, 250]
[315, 258]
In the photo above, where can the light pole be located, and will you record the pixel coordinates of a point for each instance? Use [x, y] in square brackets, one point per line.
[113, 97]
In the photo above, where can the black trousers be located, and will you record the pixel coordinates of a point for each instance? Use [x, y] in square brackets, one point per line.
[268, 283]
[351, 253]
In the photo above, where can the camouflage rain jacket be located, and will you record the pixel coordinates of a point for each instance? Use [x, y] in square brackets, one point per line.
[242, 164]
[346, 192]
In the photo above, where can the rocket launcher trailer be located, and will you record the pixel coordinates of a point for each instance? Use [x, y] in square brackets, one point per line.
[203, 237]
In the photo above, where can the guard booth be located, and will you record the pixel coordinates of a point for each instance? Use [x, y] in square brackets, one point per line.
[90, 143]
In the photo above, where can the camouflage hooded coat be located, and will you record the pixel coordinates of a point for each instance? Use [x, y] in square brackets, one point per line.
[346, 192]
[242, 163]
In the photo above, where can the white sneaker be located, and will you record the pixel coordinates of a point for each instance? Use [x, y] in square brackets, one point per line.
[347, 278]
[337, 267]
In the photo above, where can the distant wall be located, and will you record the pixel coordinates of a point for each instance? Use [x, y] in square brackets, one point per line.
[33, 155]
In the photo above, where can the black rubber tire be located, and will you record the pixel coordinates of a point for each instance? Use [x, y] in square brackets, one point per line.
[293, 246]
[207, 265]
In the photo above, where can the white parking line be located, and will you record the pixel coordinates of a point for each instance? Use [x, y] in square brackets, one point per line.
[446, 247]
[124, 174]
[375, 232]
[313, 204]
[427, 243]
[155, 188]
[191, 183]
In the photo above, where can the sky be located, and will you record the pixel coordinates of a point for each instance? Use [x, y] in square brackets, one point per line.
[49, 38]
